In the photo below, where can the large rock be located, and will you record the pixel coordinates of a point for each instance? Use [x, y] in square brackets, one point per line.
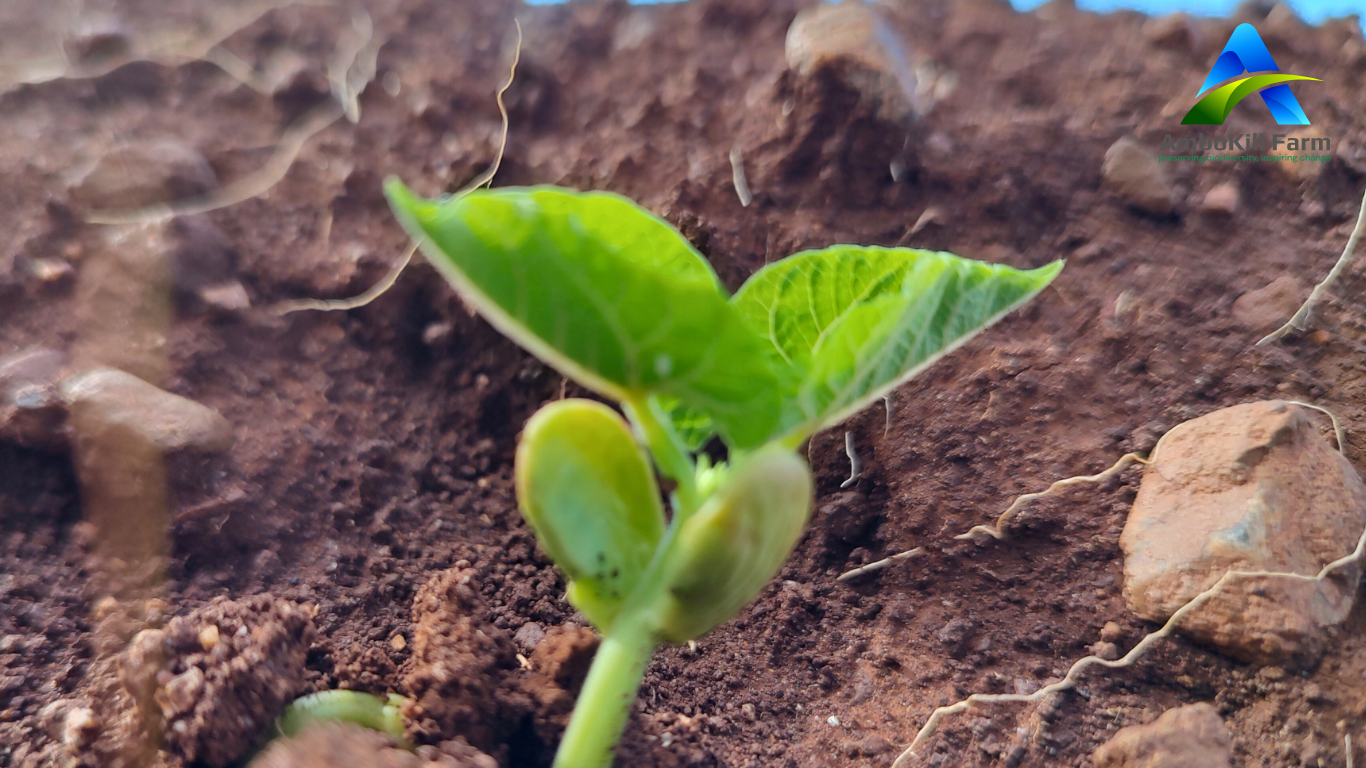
[105, 399]
[1251, 488]
[1133, 172]
[862, 50]
[1192, 736]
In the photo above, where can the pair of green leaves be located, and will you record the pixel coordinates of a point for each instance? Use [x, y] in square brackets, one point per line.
[588, 491]
[616, 299]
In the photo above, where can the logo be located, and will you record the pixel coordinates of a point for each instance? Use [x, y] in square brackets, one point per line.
[1245, 53]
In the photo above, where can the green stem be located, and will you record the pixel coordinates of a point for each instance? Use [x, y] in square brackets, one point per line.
[604, 704]
[670, 455]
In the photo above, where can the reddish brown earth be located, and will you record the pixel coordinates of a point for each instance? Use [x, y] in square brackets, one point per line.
[374, 447]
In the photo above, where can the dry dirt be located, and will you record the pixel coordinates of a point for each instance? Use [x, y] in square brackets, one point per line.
[374, 447]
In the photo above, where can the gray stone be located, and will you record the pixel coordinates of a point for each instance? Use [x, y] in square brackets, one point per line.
[1133, 172]
[1192, 736]
[110, 399]
[849, 39]
[32, 412]
[1253, 487]
[1268, 307]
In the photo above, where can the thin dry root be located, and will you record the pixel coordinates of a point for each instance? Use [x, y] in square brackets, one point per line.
[380, 288]
[1339, 433]
[879, 565]
[997, 531]
[1300, 321]
[1070, 679]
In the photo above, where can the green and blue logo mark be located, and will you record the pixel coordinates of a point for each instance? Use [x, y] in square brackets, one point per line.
[1245, 53]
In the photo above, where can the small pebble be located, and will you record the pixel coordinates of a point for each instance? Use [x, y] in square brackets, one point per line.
[1222, 200]
[106, 398]
[1111, 632]
[227, 297]
[1133, 172]
[1107, 651]
[79, 728]
[51, 272]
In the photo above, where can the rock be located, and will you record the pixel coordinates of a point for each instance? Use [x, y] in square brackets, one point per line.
[106, 399]
[1104, 650]
[52, 273]
[329, 744]
[1267, 308]
[851, 41]
[143, 174]
[1133, 172]
[528, 636]
[228, 297]
[1173, 32]
[1221, 200]
[1092, 251]
[79, 728]
[32, 412]
[1111, 632]
[1192, 736]
[1252, 487]
[873, 745]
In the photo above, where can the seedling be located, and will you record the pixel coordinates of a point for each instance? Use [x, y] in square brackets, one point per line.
[616, 299]
[383, 714]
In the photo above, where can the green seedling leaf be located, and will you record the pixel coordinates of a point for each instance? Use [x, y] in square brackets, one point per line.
[692, 426]
[851, 323]
[609, 294]
[588, 491]
[725, 553]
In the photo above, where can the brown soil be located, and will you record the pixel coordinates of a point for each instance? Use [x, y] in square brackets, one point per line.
[374, 447]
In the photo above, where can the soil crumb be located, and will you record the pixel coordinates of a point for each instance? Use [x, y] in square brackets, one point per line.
[459, 664]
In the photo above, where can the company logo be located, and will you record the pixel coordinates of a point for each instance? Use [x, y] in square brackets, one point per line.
[1245, 53]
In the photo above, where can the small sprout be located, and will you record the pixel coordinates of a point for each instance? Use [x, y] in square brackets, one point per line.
[617, 300]
[383, 714]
